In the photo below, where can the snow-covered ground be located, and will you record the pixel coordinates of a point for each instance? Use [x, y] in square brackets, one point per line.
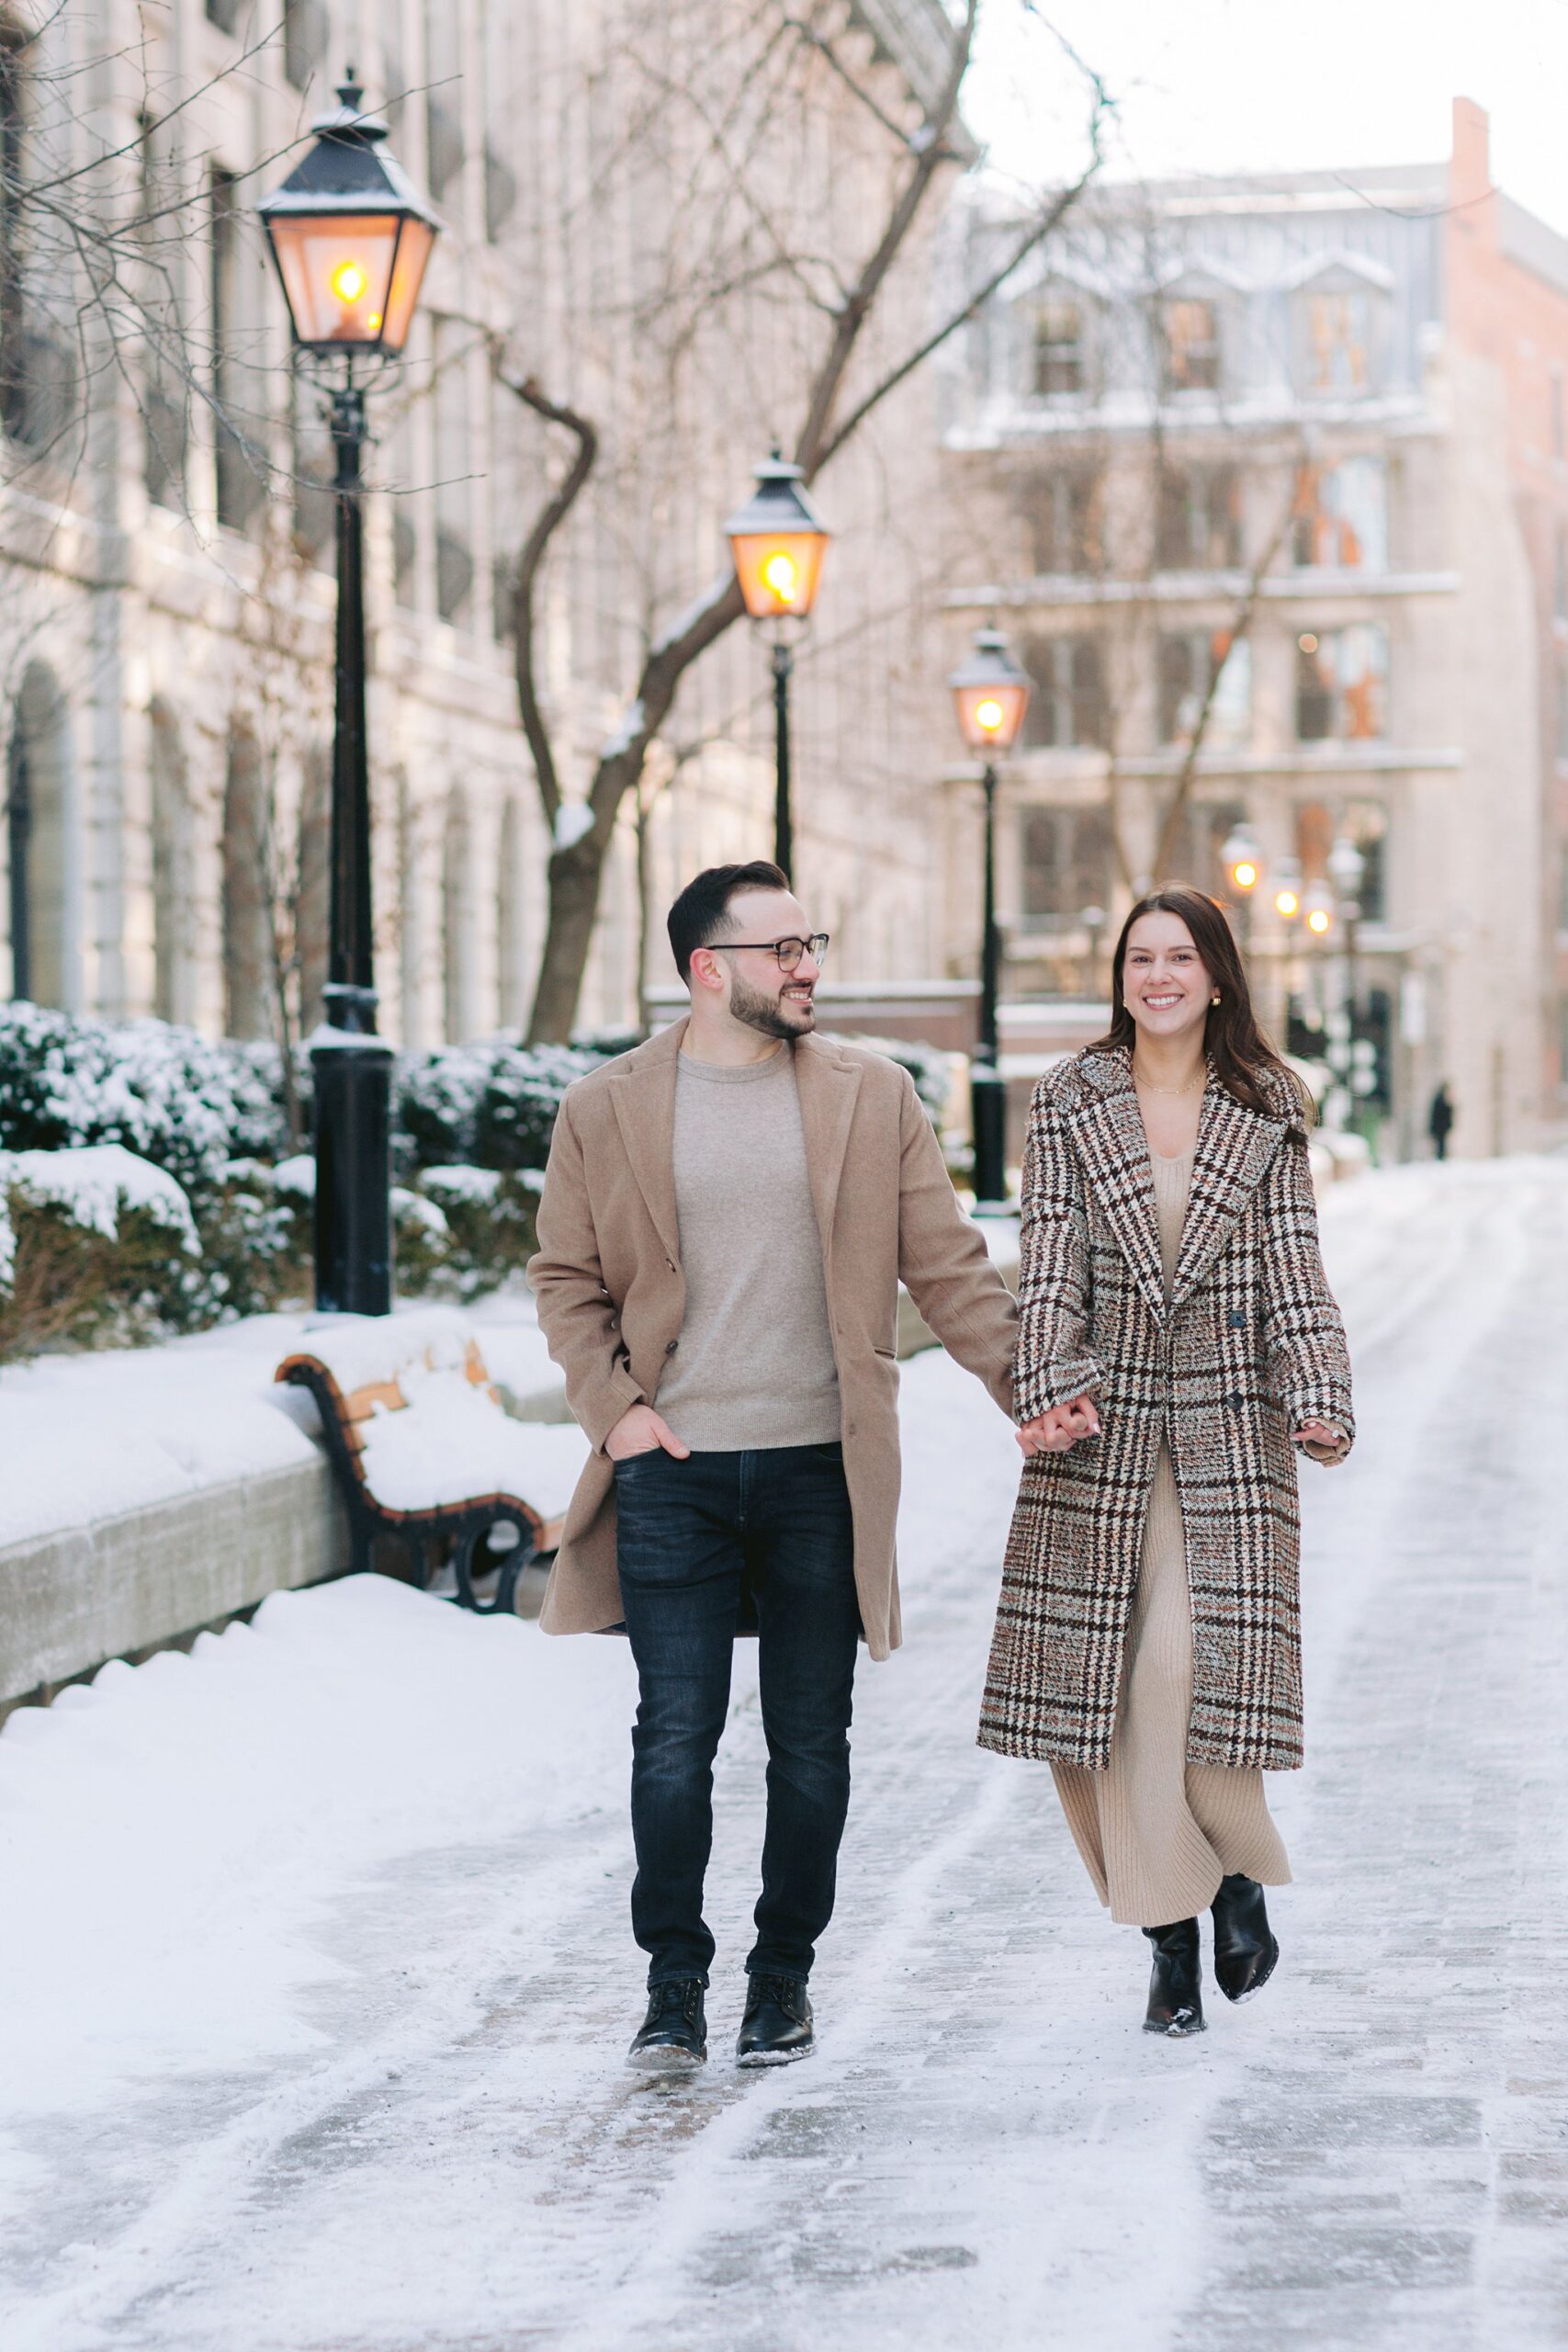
[315, 1978]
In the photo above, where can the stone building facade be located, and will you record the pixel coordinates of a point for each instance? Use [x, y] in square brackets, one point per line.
[165, 544]
[1286, 455]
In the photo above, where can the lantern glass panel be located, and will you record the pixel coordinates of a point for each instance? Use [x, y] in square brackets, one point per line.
[779, 570]
[338, 275]
[990, 715]
[408, 273]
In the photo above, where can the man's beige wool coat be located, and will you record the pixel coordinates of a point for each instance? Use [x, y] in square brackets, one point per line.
[612, 1297]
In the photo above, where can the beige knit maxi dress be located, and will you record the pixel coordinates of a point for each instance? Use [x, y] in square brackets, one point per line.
[1158, 1834]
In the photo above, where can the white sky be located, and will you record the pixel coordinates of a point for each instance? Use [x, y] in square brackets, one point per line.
[1214, 86]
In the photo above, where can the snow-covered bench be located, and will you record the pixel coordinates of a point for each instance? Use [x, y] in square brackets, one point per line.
[424, 1451]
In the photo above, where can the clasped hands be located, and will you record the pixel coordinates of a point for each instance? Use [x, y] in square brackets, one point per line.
[1063, 1427]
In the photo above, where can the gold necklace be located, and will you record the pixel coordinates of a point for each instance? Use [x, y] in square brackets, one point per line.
[1145, 1086]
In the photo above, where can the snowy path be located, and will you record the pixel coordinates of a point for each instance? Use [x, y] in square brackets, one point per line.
[315, 1978]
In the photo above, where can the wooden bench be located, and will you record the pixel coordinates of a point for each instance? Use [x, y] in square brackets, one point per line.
[425, 1453]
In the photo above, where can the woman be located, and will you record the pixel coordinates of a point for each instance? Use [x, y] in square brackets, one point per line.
[1176, 1334]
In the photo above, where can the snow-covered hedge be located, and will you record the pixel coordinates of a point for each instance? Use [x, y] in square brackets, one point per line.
[93, 1243]
[165, 1093]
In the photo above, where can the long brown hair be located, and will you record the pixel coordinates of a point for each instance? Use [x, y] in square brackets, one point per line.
[1245, 1061]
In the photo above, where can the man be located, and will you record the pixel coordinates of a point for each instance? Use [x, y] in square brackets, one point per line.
[727, 1215]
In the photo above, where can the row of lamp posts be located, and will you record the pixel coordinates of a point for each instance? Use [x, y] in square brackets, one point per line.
[351, 237]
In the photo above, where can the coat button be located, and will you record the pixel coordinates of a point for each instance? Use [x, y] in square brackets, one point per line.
[1238, 1319]
[672, 1347]
[1234, 1403]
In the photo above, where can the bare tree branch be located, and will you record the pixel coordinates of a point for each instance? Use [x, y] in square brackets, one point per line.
[550, 518]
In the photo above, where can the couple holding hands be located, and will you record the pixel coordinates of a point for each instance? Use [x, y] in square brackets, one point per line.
[726, 1217]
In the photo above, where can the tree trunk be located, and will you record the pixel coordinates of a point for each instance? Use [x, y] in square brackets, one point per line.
[575, 876]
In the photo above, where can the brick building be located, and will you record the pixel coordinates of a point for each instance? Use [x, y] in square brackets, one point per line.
[1275, 467]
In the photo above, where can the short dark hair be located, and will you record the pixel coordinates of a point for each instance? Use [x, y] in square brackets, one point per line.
[697, 917]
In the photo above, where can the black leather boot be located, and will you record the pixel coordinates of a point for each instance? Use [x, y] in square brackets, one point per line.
[1245, 1946]
[1176, 1992]
[776, 2028]
[673, 2036]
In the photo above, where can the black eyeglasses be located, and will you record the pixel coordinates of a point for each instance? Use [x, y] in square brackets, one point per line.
[788, 951]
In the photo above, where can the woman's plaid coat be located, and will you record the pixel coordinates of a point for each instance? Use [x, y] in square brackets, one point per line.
[1251, 1346]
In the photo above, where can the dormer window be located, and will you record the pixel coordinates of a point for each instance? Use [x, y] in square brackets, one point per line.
[1060, 347]
[1191, 338]
[1339, 306]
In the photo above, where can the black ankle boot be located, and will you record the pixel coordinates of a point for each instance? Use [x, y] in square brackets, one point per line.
[1245, 1946]
[777, 2027]
[673, 2036]
[1175, 1994]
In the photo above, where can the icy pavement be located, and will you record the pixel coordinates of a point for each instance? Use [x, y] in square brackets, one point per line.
[314, 1976]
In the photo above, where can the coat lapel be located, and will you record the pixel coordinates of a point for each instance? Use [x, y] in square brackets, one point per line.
[1115, 1155]
[1235, 1147]
[826, 1089]
[644, 1098]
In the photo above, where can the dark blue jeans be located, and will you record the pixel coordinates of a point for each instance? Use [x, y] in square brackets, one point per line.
[690, 1534]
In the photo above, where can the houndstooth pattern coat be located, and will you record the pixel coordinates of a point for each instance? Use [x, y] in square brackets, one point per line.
[1251, 1346]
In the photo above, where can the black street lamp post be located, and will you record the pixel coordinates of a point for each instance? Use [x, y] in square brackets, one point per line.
[351, 239]
[777, 543]
[990, 695]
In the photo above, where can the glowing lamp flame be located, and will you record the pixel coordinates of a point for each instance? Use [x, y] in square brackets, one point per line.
[1244, 874]
[1318, 921]
[348, 281]
[782, 576]
[1287, 903]
[989, 714]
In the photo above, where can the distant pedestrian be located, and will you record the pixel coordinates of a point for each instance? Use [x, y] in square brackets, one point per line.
[726, 1216]
[1176, 1334]
[1439, 1120]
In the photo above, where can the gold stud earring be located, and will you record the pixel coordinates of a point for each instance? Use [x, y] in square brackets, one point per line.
[1215, 998]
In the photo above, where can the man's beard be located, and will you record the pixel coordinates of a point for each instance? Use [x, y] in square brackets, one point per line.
[765, 1013]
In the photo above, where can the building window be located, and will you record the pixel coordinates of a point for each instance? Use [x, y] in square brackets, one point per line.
[224, 14]
[1342, 685]
[1066, 861]
[1337, 330]
[174, 874]
[456, 924]
[454, 470]
[1559, 575]
[1199, 521]
[305, 31]
[1062, 510]
[240, 485]
[311, 466]
[38, 826]
[1059, 353]
[313, 886]
[1190, 666]
[1068, 705]
[1562, 887]
[1341, 516]
[1563, 1044]
[1556, 398]
[1191, 353]
[1562, 729]
[512, 978]
[1208, 826]
[165, 414]
[443, 91]
[250, 945]
[499, 179]
[39, 395]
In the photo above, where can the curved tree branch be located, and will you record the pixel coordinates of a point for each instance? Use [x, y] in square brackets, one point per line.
[552, 517]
